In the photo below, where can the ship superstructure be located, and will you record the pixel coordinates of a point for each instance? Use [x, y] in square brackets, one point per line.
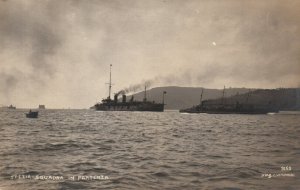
[123, 104]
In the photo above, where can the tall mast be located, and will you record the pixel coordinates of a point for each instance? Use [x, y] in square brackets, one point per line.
[163, 100]
[109, 91]
[223, 95]
[298, 98]
[248, 95]
[145, 94]
[201, 96]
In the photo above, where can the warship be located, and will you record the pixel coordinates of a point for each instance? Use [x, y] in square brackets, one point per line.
[42, 107]
[10, 107]
[230, 109]
[220, 106]
[115, 104]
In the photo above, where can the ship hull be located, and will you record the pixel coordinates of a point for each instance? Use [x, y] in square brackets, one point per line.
[229, 110]
[136, 106]
[32, 115]
[226, 112]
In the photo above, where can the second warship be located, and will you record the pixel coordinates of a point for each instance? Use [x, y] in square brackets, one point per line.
[10, 107]
[233, 105]
[122, 105]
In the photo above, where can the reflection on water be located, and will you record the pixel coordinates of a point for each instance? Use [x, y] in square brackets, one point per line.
[136, 150]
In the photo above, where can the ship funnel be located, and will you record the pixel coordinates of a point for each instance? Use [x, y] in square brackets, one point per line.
[124, 98]
[131, 99]
[116, 98]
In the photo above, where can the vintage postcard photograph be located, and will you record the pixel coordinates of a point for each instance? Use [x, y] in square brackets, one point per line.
[150, 94]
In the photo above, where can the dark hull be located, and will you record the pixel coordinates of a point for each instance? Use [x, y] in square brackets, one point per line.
[32, 114]
[134, 106]
[229, 111]
[225, 112]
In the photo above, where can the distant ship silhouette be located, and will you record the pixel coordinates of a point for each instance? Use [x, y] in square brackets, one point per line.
[115, 105]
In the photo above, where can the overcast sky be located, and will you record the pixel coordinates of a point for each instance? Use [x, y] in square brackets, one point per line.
[58, 52]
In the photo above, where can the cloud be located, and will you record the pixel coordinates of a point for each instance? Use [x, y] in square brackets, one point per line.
[59, 52]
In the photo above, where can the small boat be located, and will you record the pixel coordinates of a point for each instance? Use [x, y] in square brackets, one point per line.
[32, 114]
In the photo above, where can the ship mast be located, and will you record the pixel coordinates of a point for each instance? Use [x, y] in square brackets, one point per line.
[248, 95]
[163, 100]
[223, 96]
[298, 98]
[201, 96]
[145, 94]
[109, 90]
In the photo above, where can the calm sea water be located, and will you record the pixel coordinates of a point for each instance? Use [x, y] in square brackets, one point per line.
[136, 150]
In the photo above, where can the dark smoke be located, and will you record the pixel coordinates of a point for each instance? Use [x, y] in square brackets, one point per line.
[138, 87]
[120, 92]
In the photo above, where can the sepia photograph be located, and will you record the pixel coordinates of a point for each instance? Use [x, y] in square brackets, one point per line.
[150, 94]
